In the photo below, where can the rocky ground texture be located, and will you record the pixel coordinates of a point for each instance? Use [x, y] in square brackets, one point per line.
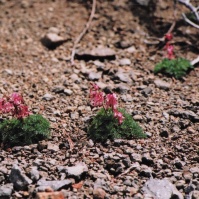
[35, 47]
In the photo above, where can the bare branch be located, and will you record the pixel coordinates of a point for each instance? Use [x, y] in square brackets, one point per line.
[83, 32]
[195, 61]
[189, 21]
[193, 9]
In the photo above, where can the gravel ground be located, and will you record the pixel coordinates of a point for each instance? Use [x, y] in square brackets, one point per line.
[35, 46]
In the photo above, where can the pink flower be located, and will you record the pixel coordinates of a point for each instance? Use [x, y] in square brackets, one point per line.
[118, 115]
[7, 107]
[168, 36]
[16, 99]
[22, 111]
[169, 49]
[111, 101]
[96, 96]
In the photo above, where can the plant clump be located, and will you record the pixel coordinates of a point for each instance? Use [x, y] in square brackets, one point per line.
[23, 128]
[173, 67]
[111, 122]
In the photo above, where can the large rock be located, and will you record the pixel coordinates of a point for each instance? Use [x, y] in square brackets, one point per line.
[76, 171]
[52, 40]
[96, 53]
[143, 2]
[19, 179]
[161, 189]
[6, 191]
[162, 84]
[54, 184]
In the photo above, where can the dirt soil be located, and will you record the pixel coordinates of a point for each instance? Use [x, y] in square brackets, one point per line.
[167, 111]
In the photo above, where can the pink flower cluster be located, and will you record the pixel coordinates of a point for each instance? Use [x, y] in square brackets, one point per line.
[169, 48]
[14, 104]
[98, 98]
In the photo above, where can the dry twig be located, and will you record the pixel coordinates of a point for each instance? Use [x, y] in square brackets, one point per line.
[195, 61]
[195, 11]
[83, 32]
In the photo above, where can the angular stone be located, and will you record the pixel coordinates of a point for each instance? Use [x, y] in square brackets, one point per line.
[52, 147]
[162, 84]
[96, 53]
[76, 171]
[34, 174]
[146, 91]
[52, 40]
[161, 189]
[195, 194]
[48, 97]
[125, 62]
[94, 76]
[20, 180]
[124, 77]
[6, 191]
[54, 184]
[143, 2]
[136, 157]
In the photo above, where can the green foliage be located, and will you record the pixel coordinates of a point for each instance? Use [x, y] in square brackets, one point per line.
[174, 67]
[104, 126]
[15, 132]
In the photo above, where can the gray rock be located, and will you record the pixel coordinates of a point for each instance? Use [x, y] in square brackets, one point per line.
[6, 191]
[185, 114]
[34, 174]
[76, 171]
[125, 62]
[136, 157]
[127, 182]
[55, 184]
[137, 117]
[101, 183]
[53, 30]
[143, 2]
[97, 175]
[94, 76]
[58, 89]
[162, 84]
[52, 147]
[68, 91]
[123, 44]
[122, 88]
[146, 91]
[52, 40]
[124, 77]
[18, 178]
[48, 97]
[96, 53]
[194, 170]
[161, 189]
[195, 194]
